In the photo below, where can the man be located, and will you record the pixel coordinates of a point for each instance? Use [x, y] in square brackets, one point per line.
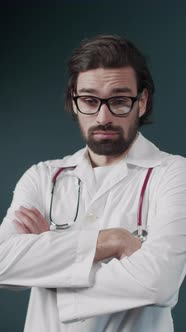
[91, 271]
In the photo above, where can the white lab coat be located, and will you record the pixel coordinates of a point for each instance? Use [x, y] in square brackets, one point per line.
[69, 292]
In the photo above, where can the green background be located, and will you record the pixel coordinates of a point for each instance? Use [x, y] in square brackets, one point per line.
[36, 39]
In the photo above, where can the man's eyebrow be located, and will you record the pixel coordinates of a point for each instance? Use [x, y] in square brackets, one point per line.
[85, 90]
[115, 90]
[121, 90]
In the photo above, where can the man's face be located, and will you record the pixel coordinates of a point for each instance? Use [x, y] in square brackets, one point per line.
[105, 133]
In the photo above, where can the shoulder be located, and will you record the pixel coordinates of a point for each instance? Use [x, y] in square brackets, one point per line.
[45, 169]
[66, 161]
[170, 162]
[170, 174]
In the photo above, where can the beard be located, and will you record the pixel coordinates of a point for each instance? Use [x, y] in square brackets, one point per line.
[111, 147]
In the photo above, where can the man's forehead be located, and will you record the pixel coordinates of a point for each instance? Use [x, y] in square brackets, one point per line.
[116, 79]
[108, 72]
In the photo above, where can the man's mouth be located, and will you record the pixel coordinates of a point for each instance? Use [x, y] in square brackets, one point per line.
[104, 134]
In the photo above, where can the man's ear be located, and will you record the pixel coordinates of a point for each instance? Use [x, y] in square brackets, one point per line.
[143, 103]
[74, 107]
[73, 103]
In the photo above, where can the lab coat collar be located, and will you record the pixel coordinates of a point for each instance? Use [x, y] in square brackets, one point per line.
[143, 153]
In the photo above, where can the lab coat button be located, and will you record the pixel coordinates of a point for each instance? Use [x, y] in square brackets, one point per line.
[91, 216]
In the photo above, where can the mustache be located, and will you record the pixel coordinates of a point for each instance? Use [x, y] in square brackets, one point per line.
[107, 127]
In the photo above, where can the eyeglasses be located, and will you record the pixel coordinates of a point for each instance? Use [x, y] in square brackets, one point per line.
[118, 105]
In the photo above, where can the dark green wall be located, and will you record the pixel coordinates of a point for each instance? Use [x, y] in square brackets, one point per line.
[36, 38]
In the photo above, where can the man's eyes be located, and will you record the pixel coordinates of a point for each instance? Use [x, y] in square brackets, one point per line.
[119, 101]
[89, 100]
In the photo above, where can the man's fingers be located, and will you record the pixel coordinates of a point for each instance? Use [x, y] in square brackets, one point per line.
[26, 219]
[32, 219]
[32, 211]
[34, 214]
[20, 227]
[29, 213]
[40, 216]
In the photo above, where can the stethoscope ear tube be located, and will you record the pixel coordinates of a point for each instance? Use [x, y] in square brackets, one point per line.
[53, 225]
[52, 193]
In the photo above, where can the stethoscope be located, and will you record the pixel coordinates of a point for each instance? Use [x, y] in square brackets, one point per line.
[140, 233]
[53, 225]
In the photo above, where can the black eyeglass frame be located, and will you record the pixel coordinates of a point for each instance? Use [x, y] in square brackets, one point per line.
[105, 101]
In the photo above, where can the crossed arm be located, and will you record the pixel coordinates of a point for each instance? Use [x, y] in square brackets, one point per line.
[141, 278]
[114, 242]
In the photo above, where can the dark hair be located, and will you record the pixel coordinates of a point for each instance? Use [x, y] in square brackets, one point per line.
[108, 51]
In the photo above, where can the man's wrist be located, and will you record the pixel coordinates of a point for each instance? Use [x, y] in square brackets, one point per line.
[115, 242]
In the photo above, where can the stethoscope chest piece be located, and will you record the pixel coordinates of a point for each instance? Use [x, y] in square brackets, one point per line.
[54, 227]
[142, 235]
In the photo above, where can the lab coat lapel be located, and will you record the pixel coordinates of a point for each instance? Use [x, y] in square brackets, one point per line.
[117, 174]
[85, 173]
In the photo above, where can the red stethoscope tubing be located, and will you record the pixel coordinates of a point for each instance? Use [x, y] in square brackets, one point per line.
[61, 169]
[142, 196]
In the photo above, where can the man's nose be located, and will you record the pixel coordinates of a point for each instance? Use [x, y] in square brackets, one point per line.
[104, 116]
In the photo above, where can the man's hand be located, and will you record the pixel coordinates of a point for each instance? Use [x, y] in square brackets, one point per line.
[30, 221]
[115, 242]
